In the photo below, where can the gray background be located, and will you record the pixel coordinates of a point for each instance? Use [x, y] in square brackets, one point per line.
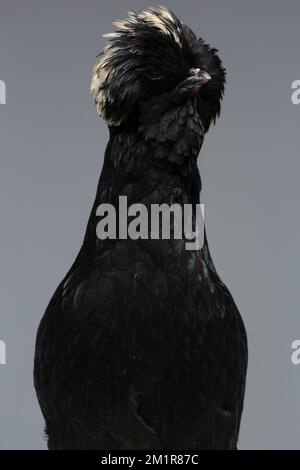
[52, 145]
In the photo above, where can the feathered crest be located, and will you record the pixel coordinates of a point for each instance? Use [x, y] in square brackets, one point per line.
[150, 52]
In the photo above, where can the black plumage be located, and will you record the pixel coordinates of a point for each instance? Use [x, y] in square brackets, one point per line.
[142, 345]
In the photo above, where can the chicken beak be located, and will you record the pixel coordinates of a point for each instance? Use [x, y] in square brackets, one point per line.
[195, 80]
[203, 76]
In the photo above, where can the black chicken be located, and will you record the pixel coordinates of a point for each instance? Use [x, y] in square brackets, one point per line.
[142, 345]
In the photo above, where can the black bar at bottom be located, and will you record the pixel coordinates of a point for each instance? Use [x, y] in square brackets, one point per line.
[134, 459]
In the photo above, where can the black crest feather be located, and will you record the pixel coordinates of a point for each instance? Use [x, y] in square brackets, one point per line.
[149, 54]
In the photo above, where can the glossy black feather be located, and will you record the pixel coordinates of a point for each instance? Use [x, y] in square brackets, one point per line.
[142, 345]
